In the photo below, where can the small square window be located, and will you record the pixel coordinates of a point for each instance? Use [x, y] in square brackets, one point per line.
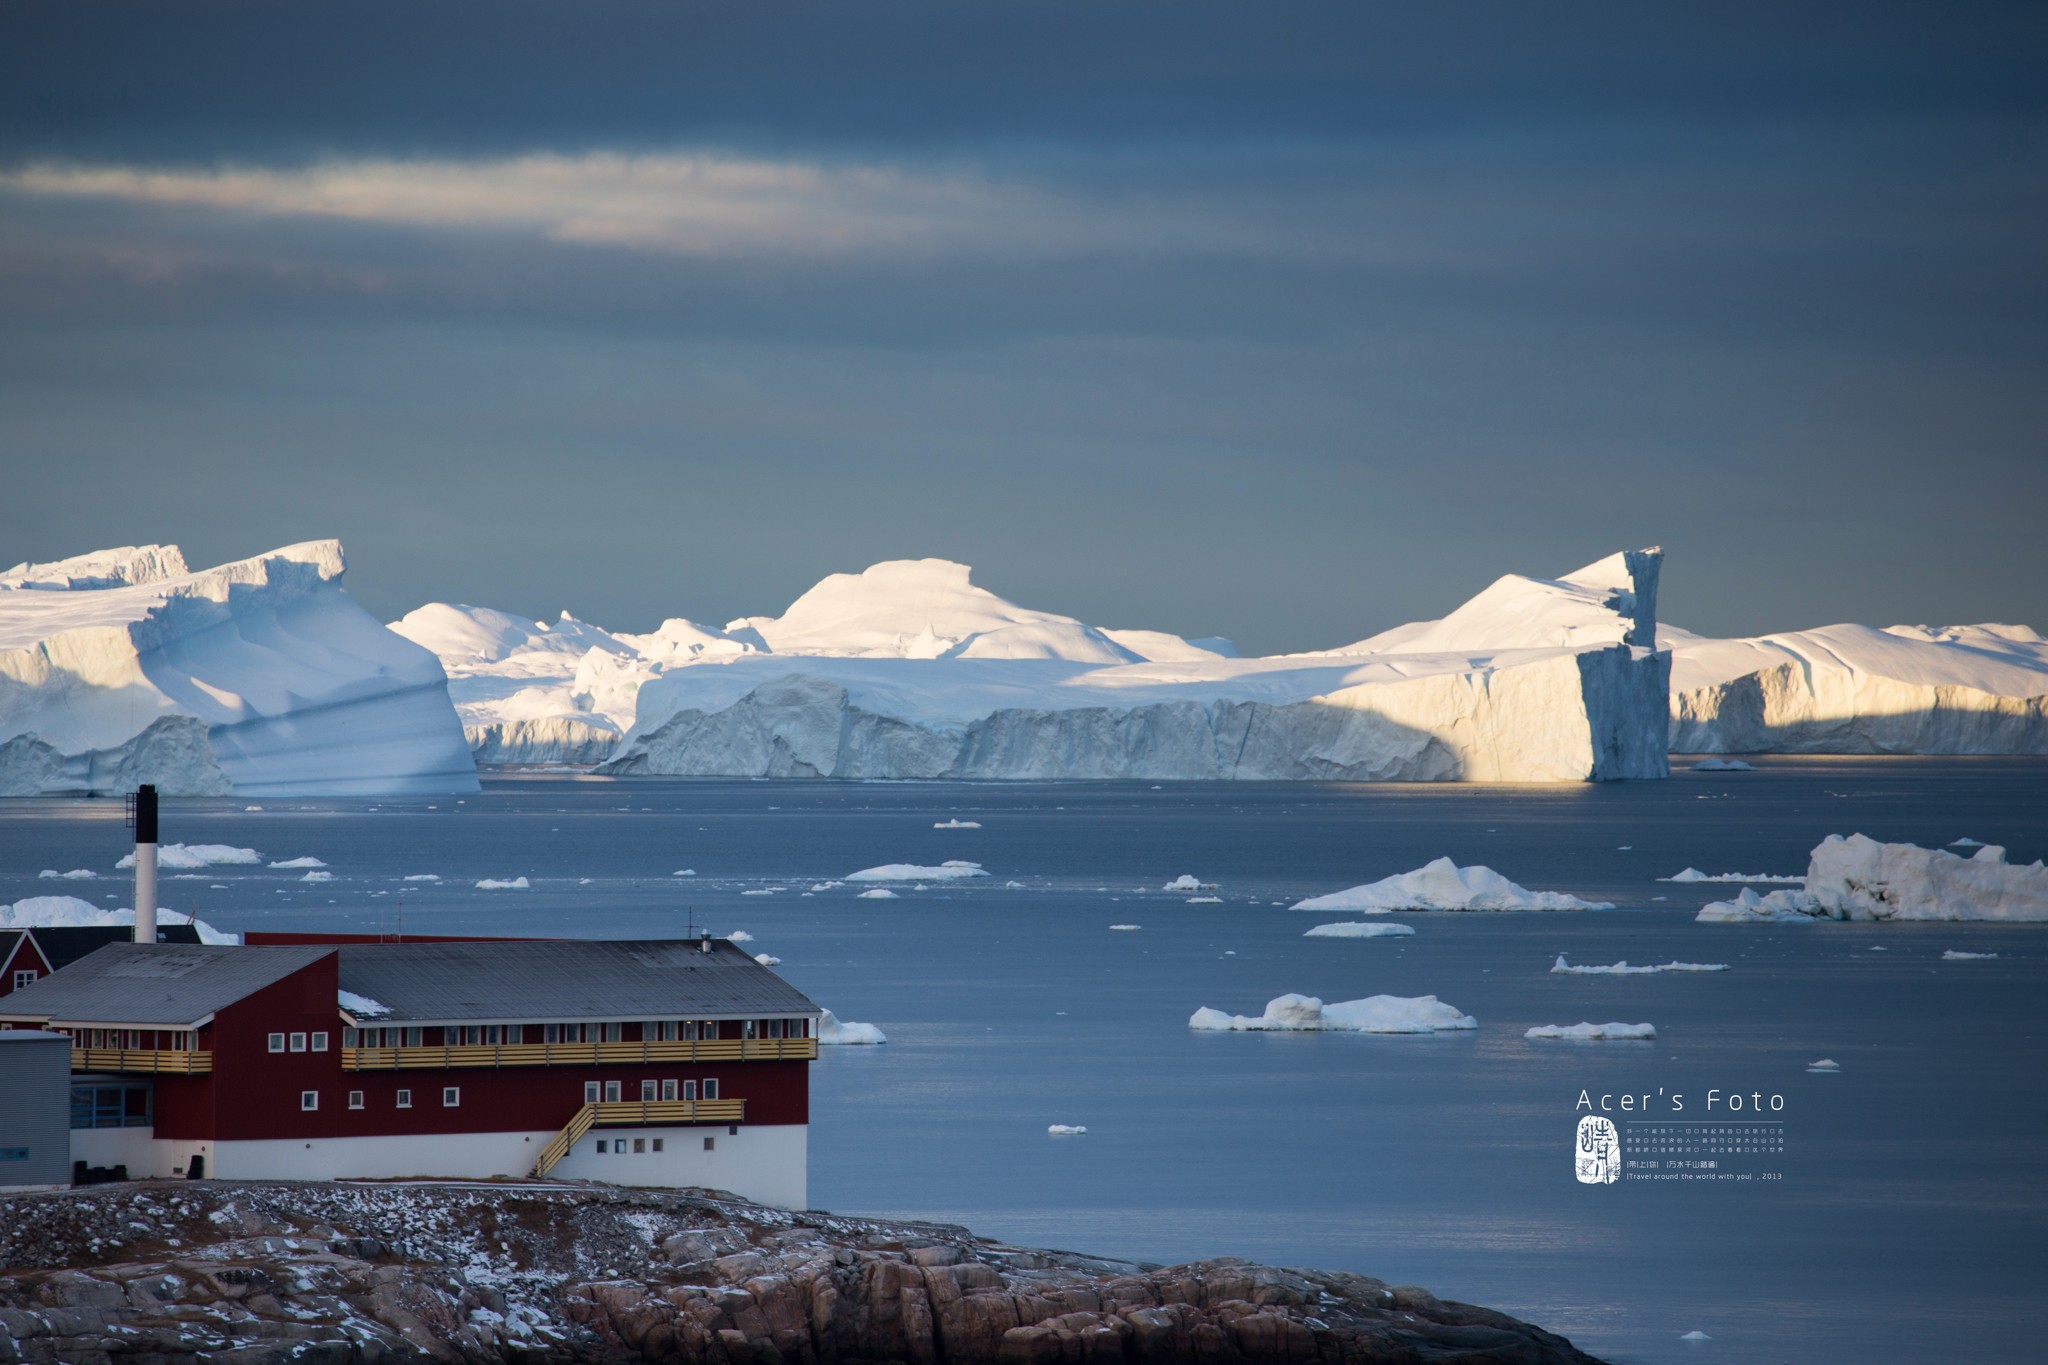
[355, 1099]
[24, 978]
[611, 1092]
[309, 1099]
[710, 1143]
[668, 1090]
[648, 1090]
[711, 1087]
[320, 1042]
[603, 1146]
[657, 1144]
[689, 1090]
[277, 1042]
[639, 1146]
[298, 1042]
[590, 1092]
[405, 1099]
[451, 1096]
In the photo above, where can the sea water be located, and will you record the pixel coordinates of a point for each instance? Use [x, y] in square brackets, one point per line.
[1905, 1219]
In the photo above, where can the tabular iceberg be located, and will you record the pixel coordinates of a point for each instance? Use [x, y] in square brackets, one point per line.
[909, 670]
[261, 677]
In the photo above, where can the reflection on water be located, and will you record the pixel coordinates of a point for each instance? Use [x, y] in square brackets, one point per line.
[1910, 1221]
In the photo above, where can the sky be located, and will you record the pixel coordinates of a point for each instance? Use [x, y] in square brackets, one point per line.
[1282, 322]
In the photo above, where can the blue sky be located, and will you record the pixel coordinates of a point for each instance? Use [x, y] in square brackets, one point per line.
[1287, 323]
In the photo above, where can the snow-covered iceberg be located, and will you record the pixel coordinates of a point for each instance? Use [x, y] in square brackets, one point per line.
[1858, 878]
[1594, 1032]
[1564, 968]
[261, 676]
[1307, 1014]
[1443, 885]
[910, 670]
[834, 1031]
[1849, 689]
[953, 869]
[1359, 930]
[66, 912]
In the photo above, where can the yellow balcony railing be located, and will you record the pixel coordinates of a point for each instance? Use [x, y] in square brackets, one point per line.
[641, 1113]
[126, 1059]
[579, 1054]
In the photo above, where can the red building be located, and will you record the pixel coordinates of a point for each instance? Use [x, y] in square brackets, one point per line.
[654, 1062]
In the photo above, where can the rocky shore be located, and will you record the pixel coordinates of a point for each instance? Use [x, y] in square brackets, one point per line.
[179, 1273]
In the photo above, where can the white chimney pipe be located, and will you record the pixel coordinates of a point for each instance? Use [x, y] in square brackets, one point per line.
[145, 864]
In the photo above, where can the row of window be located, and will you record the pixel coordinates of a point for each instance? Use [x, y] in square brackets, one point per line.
[617, 1146]
[133, 1040]
[451, 1098]
[513, 1035]
[614, 1091]
[299, 1041]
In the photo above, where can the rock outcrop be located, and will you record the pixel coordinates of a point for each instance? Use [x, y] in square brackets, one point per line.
[534, 1274]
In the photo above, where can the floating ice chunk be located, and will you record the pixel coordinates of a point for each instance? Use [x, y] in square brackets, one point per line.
[1824, 1064]
[1858, 878]
[252, 808]
[1695, 1335]
[767, 960]
[1205, 900]
[1013, 886]
[1966, 842]
[877, 893]
[950, 870]
[318, 877]
[684, 872]
[1065, 1129]
[493, 884]
[1722, 765]
[958, 824]
[1443, 885]
[1188, 882]
[76, 874]
[361, 1006]
[1126, 926]
[1593, 1032]
[1359, 930]
[825, 886]
[187, 856]
[1693, 874]
[58, 912]
[832, 1030]
[758, 891]
[424, 877]
[300, 862]
[739, 936]
[1952, 955]
[1305, 1013]
[1563, 968]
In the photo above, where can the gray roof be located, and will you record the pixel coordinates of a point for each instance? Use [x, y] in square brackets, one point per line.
[565, 979]
[154, 984]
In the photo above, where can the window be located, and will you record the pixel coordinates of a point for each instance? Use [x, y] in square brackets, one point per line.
[451, 1096]
[689, 1090]
[355, 1099]
[614, 1033]
[668, 1090]
[277, 1042]
[414, 1037]
[25, 978]
[648, 1090]
[309, 1099]
[710, 1144]
[619, 1147]
[639, 1146]
[320, 1042]
[298, 1042]
[603, 1146]
[110, 1106]
[752, 1029]
[657, 1144]
[710, 1087]
[611, 1092]
[405, 1099]
[350, 1037]
[590, 1090]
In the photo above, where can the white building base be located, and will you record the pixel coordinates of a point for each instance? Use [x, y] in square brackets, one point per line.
[767, 1163]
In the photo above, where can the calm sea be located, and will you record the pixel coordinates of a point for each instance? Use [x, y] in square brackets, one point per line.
[1904, 1219]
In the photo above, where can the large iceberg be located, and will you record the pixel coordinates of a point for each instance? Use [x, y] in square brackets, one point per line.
[909, 670]
[1443, 885]
[258, 677]
[1858, 690]
[1307, 1014]
[1858, 878]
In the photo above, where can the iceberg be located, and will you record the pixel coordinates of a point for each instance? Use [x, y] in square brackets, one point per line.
[1307, 1014]
[910, 670]
[260, 677]
[957, 824]
[1359, 931]
[877, 893]
[1858, 878]
[1693, 874]
[834, 1031]
[1849, 689]
[187, 856]
[1065, 1129]
[498, 884]
[1956, 955]
[288, 862]
[953, 869]
[1563, 968]
[1594, 1032]
[63, 912]
[1443, 885]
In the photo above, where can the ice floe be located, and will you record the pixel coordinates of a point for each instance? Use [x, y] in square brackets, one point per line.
[767, 960]
[1205, 900]
[684, 872]
[1127, 927]
[1954, 955]
[1563, 968]
[1594, 1032]
[1858, 878]
[1443, 885]
[184, 856]
[1187, 881]
[424, 877]
[951, 870]
[1306, 1013]
[495, 884]
[957, 824]
[1359, 930]
[76, 874]
[1693, 874]
[361, 1006]
[1065, 1129]
[832, 1030]
[877, 893]
[300, 862]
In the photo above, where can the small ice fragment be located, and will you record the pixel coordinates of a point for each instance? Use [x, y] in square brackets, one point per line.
[824, 886]
[684, 872]
[300, 862]
[1564, 968]
[493, 884]
[1625, 848]
[957, 824]
[951, 870]
[879, 893]
[1954, 956]
[1205, 900]
[1593, 1032]
[1065, 1129]
[766, 960]
[1966, 842]
[1013, 886]
[1188, 882]
[1695, 1335]
[1824, 1064]
[758, 891]
[1126, 926]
